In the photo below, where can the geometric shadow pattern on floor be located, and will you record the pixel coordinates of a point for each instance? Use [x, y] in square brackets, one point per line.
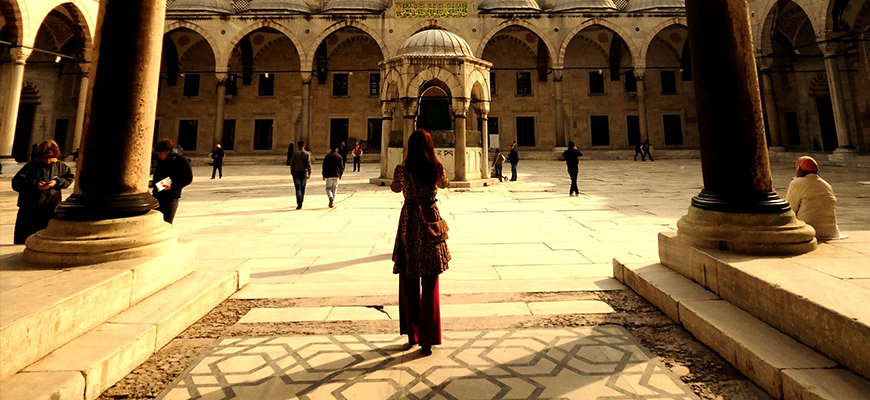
[601, 362]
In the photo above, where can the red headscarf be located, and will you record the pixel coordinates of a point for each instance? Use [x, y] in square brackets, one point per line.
[807, 164]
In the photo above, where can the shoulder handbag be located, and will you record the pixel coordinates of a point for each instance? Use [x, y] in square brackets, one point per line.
[436, 232]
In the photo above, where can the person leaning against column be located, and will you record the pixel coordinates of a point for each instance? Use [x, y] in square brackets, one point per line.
[300, 168]
[417, 260]
[173, 166]
[333, 169]
[812, 200]
[38, 184]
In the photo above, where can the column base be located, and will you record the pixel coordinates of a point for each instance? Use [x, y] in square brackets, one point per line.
[759, 234]
[9, 166]
[75, 243]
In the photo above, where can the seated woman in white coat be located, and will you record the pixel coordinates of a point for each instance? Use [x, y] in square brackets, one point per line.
[813, 200]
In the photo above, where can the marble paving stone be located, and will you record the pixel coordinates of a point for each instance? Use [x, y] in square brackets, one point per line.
[860, 282]
[355, 314]
[554, 271]
[844, 268]
[509, 365]
[570, 307]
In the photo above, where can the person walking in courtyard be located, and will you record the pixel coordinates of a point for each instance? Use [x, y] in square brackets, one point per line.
[39, 184]
[171, 174]
[333, 169]
[342, 151]
[646, 152]
[572, 159]
[300, 168]
[638, 152]
[357, 153]
[498, 164]
[812, 200]
[514, 158]
[419, 255]
[217, 159]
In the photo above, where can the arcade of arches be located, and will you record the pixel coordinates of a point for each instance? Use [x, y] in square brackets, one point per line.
[257, 80]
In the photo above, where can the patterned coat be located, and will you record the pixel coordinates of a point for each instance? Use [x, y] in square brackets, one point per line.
[413, 255]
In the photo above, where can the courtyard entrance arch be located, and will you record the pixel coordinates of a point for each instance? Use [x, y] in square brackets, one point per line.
[436, 80]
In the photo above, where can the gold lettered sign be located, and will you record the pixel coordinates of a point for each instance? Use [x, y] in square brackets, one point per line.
[431, 10]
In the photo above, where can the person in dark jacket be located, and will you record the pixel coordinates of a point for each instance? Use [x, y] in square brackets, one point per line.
[300, 168]
[217, 157]
[342, 151]
[572, 159]
[333, 169]
[513, 158]
[645, 146]
[174, 167]
[639, 152]
[38, 184]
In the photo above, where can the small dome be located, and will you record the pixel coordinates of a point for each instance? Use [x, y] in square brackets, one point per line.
[435, 42]
[509, 6]
[354, 5]
[572, 5]
[279, 5]
[219, 6]
[643, 5]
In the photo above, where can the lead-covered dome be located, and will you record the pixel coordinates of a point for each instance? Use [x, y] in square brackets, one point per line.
[509, 6]
[435, 42]
[219, 6]
[581, 5]
[279, 5]
[644, 5]
[355, 5]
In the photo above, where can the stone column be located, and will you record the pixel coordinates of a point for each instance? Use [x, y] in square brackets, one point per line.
[386, 129]
[484, 134]
[13, 98]
[221, 79]
[560, 108]
[737, 210]
[641, 104]
[770, 106]
[459, 122]
[109, 215]
[84, 87]
[409, 107]
[306, 107]
[841, 120]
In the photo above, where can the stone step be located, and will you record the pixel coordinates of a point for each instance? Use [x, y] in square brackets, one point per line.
[103, 356]
[783, 367]
[45, 308]
[801, 296]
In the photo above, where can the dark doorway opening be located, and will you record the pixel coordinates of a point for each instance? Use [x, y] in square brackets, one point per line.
[632, 125]
[23, 132]
[338, 128]
[826, 123]
[373, 136]
[435, 115]
[61, 127]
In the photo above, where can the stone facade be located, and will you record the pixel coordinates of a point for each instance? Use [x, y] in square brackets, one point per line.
[601, 73]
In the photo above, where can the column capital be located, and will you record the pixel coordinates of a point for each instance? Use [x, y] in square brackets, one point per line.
[20, 54]
[387, 110]
[306, 77]
[85, 67]
[557, 74]
[638, 73]
[409, 107]
[460, 107]
[222, 78]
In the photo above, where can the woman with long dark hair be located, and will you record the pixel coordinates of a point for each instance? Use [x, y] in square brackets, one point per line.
[417, 259]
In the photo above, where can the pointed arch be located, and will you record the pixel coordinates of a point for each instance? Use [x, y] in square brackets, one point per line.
[78, 10]
[632, 46]
[640, 62]
[251, 28]
[393, 80]
[215, 50]
[434, 74]
[15, 14]
[533, 28]
[310, 55]
[477, 85]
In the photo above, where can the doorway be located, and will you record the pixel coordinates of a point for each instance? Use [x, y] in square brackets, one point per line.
[23, 132]
[435, 114]
[338, 129]
[826, 123]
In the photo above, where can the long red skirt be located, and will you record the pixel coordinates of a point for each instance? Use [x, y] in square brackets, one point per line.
[420, 313]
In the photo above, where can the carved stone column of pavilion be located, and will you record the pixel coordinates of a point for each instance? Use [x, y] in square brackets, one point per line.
[560, 108]
[306, 107]
[84, 88]
[841, 121]
[13, 98]
[460, 108]
[770, 106]
[221, 79]
[641, 104]
[109, 216]
[386, 129]
[484, 134]
[737, 210]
